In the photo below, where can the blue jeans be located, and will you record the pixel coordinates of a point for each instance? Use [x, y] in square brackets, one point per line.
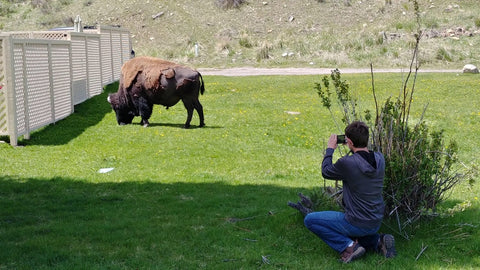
[334, 230]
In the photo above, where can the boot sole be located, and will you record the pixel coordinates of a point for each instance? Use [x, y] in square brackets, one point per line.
[356, 254]
[388, 247]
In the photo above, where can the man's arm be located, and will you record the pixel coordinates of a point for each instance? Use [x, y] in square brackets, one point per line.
[330, 170]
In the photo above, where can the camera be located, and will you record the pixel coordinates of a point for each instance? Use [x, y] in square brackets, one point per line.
[341, 139]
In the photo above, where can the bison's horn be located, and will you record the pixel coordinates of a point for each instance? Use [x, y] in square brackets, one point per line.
[108, 99]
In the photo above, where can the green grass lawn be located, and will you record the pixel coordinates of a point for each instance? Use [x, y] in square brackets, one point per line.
[215, 197]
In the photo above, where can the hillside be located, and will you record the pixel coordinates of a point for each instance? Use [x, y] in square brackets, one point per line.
[274, 33]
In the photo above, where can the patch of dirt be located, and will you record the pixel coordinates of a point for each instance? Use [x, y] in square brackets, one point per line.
[252, 71]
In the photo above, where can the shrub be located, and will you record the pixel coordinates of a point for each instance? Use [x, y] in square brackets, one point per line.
[6, 8]
[43, 5]
[444, 55]
[477, 22]
[245, 42]
[264, 52]
[65, 2]
[228, 4]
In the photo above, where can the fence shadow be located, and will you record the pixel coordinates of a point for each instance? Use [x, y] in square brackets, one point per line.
[86, 114]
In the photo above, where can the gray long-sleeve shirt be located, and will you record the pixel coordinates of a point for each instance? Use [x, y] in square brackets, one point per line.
[362, 186]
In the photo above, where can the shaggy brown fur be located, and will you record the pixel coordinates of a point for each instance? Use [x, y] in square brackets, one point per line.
[152, 67]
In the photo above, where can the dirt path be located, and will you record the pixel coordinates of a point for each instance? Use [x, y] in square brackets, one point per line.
[251, 71]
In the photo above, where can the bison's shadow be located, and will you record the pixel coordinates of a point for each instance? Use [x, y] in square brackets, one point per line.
[178, 125]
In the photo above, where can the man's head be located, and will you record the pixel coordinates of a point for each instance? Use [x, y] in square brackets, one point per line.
[357, 132]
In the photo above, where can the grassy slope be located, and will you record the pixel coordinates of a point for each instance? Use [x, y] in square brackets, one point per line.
[328, 34]
[211, 198]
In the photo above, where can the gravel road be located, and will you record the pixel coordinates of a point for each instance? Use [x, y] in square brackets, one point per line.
[251, 71]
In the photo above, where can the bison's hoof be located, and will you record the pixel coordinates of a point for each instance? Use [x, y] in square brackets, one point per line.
[144, 123]
[201, 125]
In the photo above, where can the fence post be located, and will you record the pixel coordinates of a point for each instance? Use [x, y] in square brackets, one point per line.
[101, 59]
[50, 80]
[70, 64]
[87, 65]
[11, 97]
[112, 62]
[25, 92]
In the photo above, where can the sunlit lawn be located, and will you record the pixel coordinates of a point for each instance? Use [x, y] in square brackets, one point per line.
[215, 197]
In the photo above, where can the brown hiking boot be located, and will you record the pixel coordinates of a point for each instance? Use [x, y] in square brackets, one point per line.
[352, 253]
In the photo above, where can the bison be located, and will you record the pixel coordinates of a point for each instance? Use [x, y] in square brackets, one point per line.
[146, 81]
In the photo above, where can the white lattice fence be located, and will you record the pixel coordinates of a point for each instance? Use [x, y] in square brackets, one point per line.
[43, 74]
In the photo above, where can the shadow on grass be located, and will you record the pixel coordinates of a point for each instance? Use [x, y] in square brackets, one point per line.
[66, 223]
[182, 126]
[86, 114]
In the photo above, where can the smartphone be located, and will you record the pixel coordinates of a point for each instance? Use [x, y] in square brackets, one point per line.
[341, 139]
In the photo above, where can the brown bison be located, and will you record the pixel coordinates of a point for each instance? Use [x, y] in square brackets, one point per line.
[146, 81]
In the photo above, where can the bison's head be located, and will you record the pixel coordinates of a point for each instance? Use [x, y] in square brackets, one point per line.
[124, 113]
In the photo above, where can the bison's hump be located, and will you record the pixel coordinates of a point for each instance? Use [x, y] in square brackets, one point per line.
[152, 67]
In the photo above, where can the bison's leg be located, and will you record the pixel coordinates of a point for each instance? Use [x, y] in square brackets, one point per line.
[145, 109]
[199, 108]
[189, 106]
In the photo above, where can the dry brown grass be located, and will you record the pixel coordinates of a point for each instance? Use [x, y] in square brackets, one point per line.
[319, 33]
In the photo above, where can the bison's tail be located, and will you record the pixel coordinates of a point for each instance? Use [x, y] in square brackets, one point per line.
[202, 85]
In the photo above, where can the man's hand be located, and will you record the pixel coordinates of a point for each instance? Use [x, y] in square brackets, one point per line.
[332, 142]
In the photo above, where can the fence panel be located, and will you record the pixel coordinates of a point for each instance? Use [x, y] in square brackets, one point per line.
[61, 81]
[116, 54]
[18, 89]
[94, 66]
[79, 68]
[38, 104]
[107, 61]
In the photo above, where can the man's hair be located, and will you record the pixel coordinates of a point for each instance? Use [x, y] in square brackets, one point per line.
[357, 132]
